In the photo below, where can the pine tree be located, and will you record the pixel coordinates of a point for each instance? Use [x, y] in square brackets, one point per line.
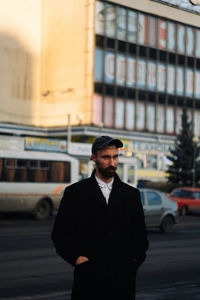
[184, 156]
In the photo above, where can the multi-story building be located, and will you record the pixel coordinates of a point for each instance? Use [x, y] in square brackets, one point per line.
[123, 68]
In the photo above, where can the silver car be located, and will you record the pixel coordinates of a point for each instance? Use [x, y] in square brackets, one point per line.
[159, 210]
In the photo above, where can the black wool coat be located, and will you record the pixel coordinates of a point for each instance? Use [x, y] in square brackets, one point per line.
[112, 236]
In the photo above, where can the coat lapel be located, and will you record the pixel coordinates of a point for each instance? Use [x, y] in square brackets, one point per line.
[96, 191]
[116, 191]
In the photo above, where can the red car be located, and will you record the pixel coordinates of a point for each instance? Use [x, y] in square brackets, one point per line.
[188, 199]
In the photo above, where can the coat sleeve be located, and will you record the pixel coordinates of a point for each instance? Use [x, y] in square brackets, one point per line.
[64, 233]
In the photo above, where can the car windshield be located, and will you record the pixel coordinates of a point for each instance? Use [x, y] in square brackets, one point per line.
[182, 194]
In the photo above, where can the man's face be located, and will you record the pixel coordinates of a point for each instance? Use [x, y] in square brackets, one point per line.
[106, 161]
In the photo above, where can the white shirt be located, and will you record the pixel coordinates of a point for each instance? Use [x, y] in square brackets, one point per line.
[105, 187]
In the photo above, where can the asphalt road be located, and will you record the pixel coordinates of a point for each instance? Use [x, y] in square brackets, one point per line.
[30, 269]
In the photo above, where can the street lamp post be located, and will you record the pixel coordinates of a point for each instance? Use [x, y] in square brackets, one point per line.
[68, 132]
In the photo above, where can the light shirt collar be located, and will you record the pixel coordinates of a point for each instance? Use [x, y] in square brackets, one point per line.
[105, 187]
[103, 184]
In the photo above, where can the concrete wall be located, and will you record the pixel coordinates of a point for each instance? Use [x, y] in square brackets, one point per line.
[46, 58]
[20, 40]
[67, 61]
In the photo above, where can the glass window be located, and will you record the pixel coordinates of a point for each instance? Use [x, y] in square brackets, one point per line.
[132, 26]
[110, 20]
[142, 29]
[141, 73]
[160, 118]
[21, 163]
[170, 79]
[189, 82]
[197, 84]
[44, 165]
[120, 170]
[131, 71]
[59, 171]
[161, 77]
[151, 161]
[131, 174]
[153, 198]
[121, 69]
[130, 115]
[178, 120]
[162, 36]
[109, 67]
[182, 193]
[189, 41]
[98, 65]
[151, 117]
[99, 18]
[181, 39]
[121, 24]
[119, 113]
[151, 76]
[152, 31]
[97, 109]
[34, 164]
[170, 119]
[108, 112]
[196, 195]
[196, 123]
[142, 198]
[140, 116]
[197, 52]
[171, 36]
[10, 163]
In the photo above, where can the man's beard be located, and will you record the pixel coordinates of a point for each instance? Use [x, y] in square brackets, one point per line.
[107, 172]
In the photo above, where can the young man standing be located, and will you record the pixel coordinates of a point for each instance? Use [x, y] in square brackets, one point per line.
[100, 230]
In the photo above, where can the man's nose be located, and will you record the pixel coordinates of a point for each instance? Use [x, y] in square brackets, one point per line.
[112, 162]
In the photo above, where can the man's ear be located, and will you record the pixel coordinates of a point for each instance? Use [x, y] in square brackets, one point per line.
[93, 157]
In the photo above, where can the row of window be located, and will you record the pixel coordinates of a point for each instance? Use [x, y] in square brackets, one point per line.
[127, 114]
[21, 170]
[135, 27]
[143, 74]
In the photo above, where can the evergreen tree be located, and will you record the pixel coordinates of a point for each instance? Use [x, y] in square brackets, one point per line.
[184, 156]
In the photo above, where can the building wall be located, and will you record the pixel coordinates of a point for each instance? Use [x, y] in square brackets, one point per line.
[147, 67]
[67, 62]
[20, 48]
[46, 57]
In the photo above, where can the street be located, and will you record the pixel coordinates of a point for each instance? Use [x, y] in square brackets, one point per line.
[30, 268]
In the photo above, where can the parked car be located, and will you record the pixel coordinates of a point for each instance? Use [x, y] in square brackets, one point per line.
[188, 199]
[159, 210]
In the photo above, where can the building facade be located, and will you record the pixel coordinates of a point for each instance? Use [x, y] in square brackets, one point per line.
[121, 67]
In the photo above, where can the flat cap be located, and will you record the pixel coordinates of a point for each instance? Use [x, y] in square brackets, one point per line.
[104, 141]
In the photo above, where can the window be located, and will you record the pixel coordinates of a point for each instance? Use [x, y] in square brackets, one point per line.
[151, 162]
[182, 194]
[196, 195]
[153, 198]
[21, 170]
[21, 164]
[142, 198]
[120, 171]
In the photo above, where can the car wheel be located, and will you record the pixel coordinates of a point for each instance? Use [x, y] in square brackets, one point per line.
[167, 224]
[183, 210]
[43, 210]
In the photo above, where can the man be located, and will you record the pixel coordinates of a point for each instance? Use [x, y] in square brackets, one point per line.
[100, 230]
